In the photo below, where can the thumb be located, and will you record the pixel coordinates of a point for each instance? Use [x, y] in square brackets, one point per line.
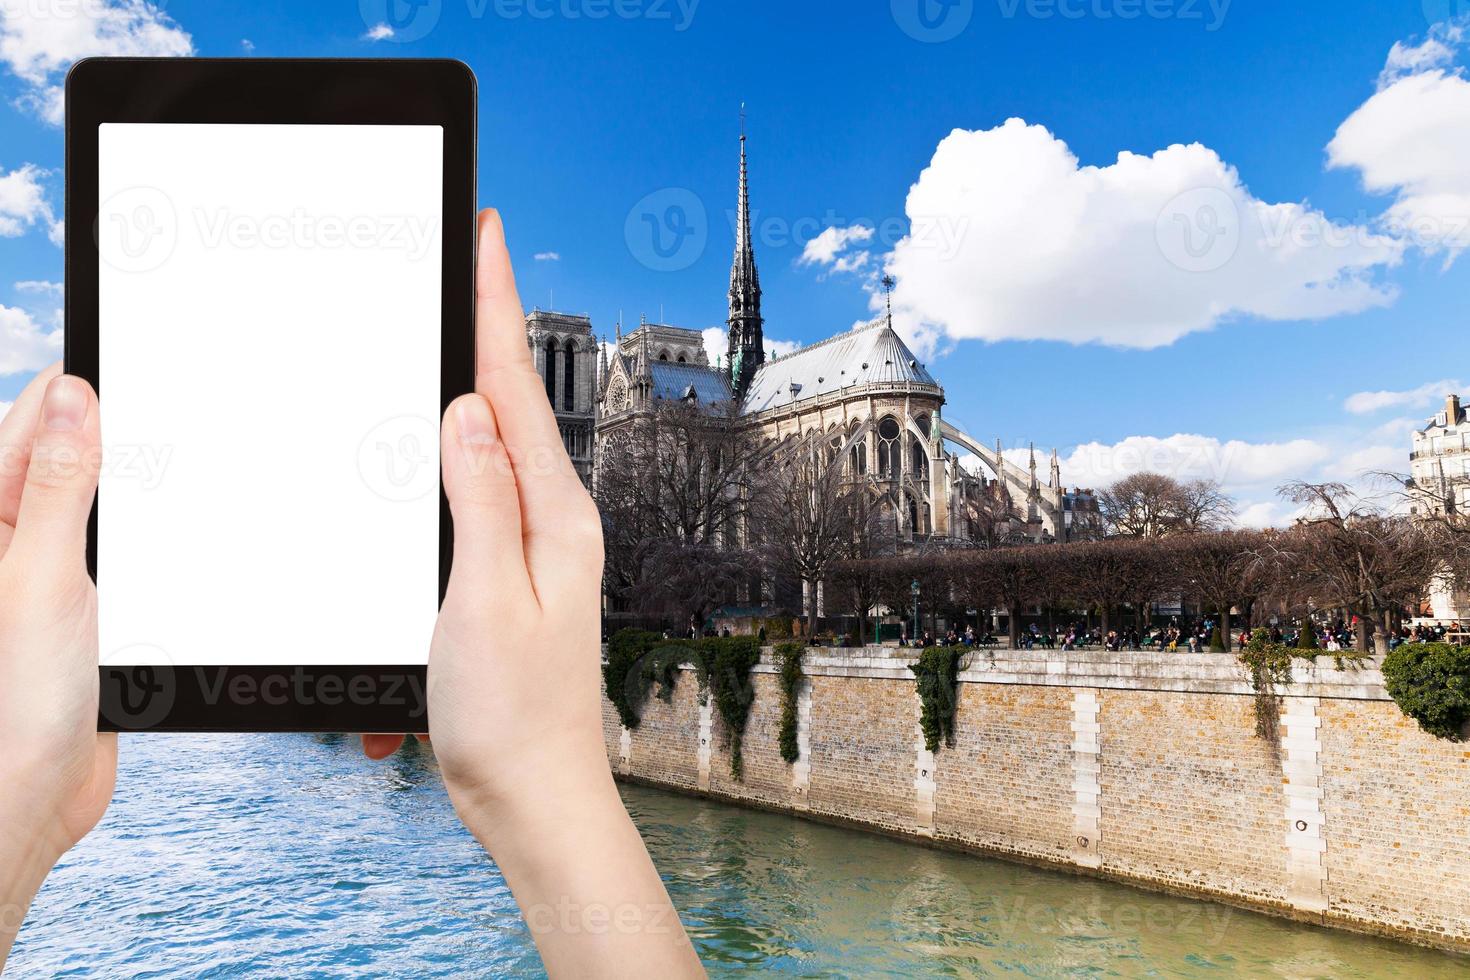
[61, 481]
[489, 556]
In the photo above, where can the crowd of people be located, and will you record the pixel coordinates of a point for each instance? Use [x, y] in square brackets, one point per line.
[1338, 635]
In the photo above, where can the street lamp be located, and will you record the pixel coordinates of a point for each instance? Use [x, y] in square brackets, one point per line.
[914, 591]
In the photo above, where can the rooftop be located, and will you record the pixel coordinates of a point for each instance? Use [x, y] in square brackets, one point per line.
[871, 354]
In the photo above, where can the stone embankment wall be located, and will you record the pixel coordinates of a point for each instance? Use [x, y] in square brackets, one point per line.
[1142, 767]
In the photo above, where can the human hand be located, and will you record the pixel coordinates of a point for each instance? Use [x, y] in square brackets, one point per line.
[515, 711]
[56, 770]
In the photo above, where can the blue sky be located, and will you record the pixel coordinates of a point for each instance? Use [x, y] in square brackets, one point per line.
[592, 111]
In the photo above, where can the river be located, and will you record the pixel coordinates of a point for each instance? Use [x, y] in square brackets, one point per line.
[292, 856]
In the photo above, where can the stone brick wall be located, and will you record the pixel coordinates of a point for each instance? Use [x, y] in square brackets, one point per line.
[1397, 813]
[1007, 783]
[1198, 796]
[1134, 766]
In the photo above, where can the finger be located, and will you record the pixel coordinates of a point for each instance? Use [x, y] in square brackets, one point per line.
[555, 507]
[61, 479]
[481, 485]
[378, 747]
[16, 434]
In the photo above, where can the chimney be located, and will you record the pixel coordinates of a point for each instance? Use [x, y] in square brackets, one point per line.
[1452, 408]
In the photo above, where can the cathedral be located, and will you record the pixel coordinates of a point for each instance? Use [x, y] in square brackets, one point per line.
[863, 389]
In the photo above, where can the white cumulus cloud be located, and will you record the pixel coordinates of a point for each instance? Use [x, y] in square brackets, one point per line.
[548, 256]
[1011, 239]
[40, 39]
[378, 32]
[824, 249]
[1192, 457]
[1412, 139]
[23, 203]
[26, 345]
[1367, 402]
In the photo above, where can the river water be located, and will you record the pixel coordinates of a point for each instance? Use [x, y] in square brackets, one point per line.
[292, 856]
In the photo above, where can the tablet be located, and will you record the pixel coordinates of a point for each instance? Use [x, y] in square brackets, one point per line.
[270, 283]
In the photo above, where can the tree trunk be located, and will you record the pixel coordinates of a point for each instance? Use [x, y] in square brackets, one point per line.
[1362, 634]
[1015, 626]
[1225, 630]
[1106, 613]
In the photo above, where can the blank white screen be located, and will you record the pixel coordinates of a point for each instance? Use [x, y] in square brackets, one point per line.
[269, 362]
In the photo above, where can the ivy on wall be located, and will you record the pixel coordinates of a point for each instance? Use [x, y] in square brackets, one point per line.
[1430, 682]
[789, 658]
[937, 675]
[1269, 668]
[638, 660]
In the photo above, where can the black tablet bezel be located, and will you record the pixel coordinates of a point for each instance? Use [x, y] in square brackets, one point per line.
[279, 91]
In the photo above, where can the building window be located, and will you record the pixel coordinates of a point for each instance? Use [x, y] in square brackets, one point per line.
[920, 466]
[569, 395]
[551, 371]
[888, 431]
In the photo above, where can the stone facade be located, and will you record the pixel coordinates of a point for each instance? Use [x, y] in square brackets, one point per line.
[566, 356]
[1140, 767]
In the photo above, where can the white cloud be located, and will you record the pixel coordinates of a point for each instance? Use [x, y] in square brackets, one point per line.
[1412, 140]
[39, 40]
[548, 256]
[24, 344]
[1367, 402]
[1010, 239]
[824, 249]
[378, 32]
[1192, 457]
[247, 45]
[23, 203]
[42, 286]
[717, 345]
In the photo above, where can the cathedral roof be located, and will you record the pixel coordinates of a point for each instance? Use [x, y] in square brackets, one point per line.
[673, 381]
[871, 354]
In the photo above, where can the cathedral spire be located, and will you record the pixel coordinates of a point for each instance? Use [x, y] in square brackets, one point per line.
[747, 342]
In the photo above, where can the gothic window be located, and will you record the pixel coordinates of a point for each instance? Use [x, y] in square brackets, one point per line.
[681, 359]
[888, 432]
[617, 395]
[569, 395]
[551, 371]
[923, 423]
[919, 464]
[663, 355]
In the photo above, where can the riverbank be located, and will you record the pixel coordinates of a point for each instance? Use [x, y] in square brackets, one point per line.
[1135, 767]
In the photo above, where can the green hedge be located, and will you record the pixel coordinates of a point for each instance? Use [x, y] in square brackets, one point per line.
[1431, 684]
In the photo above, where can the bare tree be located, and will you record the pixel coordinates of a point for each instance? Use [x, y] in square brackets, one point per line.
[673, 489]
[1353, 556]
[810, 513]
[1221, 570]
[1152, 505]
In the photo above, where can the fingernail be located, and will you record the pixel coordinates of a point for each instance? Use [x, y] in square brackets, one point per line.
[476, 427]
[65, 405]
